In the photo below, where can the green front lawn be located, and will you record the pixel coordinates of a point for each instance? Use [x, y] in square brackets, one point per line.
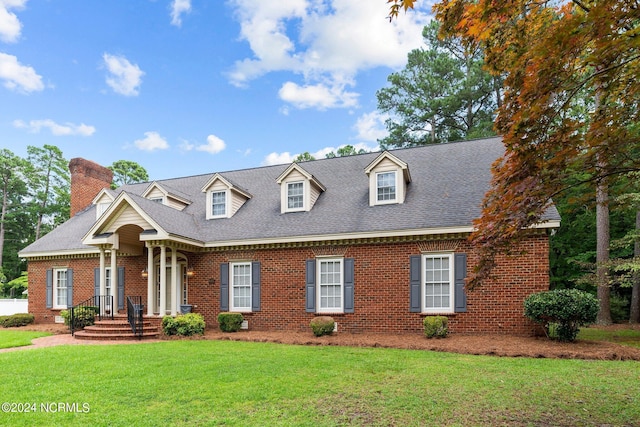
[630, 337]
[12, 338]
[188, 383]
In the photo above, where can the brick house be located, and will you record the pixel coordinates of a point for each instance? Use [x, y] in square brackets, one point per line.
[378, 241]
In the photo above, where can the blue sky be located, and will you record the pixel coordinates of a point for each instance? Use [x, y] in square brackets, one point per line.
[186, 87]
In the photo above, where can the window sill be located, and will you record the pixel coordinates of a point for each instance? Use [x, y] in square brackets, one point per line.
[444, 313]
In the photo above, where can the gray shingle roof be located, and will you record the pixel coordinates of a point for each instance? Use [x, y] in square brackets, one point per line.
[448, 185]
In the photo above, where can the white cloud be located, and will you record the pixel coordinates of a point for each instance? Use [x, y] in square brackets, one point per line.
[152, 141]
[124, 77]
[326, 42]
[286, 157]
[66, 129]
[317, 96]
[18, 77]
[214, 145]
[371, 127]
[178, 8]
[10, 26]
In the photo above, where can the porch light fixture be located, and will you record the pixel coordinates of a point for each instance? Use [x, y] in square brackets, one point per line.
[190, 272]
[144, 273]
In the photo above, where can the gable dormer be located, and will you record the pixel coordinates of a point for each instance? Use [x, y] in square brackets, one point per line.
[299, 190]
[388, 180]
[223, 197]
[166, 196]
[102, 201]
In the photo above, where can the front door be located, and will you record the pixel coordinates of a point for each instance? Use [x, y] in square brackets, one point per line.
[181, 288]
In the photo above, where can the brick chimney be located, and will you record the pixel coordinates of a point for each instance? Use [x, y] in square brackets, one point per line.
[87, 179]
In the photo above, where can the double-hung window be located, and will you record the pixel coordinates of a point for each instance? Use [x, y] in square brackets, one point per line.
[330, 282]
[241, 286]
[295, 195]
[219, 204]
[438, 283]
[386, 187]
[60, 288]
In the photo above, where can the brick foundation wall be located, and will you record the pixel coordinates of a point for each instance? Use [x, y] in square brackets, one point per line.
[381, 297]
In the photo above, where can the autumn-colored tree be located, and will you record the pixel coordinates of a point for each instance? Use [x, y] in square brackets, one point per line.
[550, 52]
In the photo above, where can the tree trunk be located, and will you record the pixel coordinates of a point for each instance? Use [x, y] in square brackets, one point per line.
[602, 251]
[634, 314]
[5, 202]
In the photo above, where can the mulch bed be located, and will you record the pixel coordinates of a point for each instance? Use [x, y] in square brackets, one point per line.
[491, 345]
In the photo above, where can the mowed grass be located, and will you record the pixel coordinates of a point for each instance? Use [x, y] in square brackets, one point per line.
[193, 383]
[630, 337]
[12, 338]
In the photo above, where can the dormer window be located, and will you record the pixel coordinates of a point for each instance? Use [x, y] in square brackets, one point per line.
[218, 204]
[102, 206]
[102, 201]
[224, 198]
[388, 180]
[157, 199]
[386, 187]
[295, 196]
[299, 189]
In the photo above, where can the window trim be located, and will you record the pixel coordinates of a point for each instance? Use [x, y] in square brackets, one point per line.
[232, 307]
[302, 196]
[319, 285]
[226, 204]
[395, 187]
[55, 304]
[423, 283]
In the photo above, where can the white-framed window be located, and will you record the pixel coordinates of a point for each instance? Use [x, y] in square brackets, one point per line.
[295, 195]
[159, 199]
[240, 288]
[107, 282]
[218, 204]
[330, 285]
[438, 283]
[60, 288]
[101, 208]
[386, 187]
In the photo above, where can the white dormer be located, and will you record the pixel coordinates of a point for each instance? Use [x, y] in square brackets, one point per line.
[102, 201]
[163, 194]
[223, 197]
[299, 190]
[388, 179]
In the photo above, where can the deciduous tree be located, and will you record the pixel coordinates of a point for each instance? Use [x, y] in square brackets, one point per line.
[127, 172]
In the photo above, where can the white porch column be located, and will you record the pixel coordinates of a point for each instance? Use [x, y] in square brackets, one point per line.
[151, 298]
[174, 281]
[163, 280]
[114, 280]
[102, 278]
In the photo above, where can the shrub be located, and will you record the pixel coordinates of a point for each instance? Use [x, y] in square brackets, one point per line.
[230, 322]
[82, 316]
[436, 326]
[322, 325]
[568, 309]
[18, 319]
[185, 325]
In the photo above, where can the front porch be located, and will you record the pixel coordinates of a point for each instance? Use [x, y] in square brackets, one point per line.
[119, 329]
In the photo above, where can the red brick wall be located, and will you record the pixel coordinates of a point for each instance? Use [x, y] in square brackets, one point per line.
[381, 287]
[87, 179]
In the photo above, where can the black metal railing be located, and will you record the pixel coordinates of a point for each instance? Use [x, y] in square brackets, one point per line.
[98, 307]
[135, 312]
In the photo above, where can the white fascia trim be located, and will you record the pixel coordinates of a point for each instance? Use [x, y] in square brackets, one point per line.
[59, 253]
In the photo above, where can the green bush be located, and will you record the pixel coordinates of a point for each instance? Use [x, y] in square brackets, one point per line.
[562, 311]
[436, 326]
[82, 316]
[185, 325]
[18, 319]
[620, 307]
[322, 325]
[230, 322]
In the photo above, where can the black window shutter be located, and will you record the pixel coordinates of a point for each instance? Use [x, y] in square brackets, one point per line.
[460, 265]
[49, 301]
[255, 286]
[224, 286]
[120, 288]
[415, 279]
[70, 287]
[311, 286]
[348, 284]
